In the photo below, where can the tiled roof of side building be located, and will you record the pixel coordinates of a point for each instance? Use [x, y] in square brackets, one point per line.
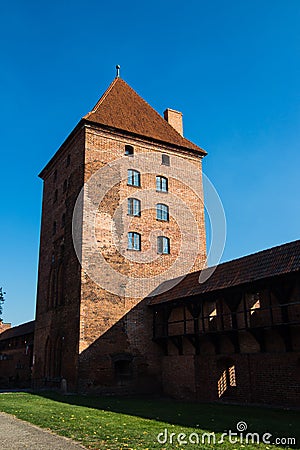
[120, 107]
[265, 264]
[20, 330]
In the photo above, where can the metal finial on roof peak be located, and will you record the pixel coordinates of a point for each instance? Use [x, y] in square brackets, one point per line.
[118, 70]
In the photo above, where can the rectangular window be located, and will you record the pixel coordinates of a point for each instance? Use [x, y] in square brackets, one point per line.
[165, 159]
[163, 245]
[134, 207]
[129, 150]
[161, 184]
[162, 212]
[134, 178]
[134, 241]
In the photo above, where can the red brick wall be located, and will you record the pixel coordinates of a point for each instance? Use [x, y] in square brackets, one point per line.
[179, 376]
[111, 324]
[261, 378]
[16, 361]
[95, 324]
[62, 321]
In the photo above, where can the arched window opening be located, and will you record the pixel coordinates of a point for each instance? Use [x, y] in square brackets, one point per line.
[162, 212]
[163, 245]
[123, 370]
[134, 241]
[134, 178]
[161, 184]
[134, 207]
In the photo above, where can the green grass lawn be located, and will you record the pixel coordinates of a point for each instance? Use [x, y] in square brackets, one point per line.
[134, 423]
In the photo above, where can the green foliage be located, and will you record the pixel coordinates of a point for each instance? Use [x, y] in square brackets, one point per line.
[1, 300]
[108, 423]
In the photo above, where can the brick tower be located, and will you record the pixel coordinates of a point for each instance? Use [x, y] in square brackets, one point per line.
[122, 212]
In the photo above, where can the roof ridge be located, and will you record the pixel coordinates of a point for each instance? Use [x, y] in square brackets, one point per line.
[271, 262]
[286, 244]
[103, 97]
[105, 94]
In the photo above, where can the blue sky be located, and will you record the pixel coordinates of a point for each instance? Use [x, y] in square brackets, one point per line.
[232, 67]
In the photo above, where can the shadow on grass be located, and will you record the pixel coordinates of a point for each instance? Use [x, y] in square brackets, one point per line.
[216, 418]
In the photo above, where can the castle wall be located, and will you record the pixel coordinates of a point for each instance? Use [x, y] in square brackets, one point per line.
[58, 296]
[252, 358]
[115, 327]
[16, 358]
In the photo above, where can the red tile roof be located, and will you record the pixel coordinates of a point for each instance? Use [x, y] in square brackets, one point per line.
[21, 330]
[268, 263]
[122, 108]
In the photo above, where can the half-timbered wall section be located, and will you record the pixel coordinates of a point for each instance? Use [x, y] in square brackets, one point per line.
[235, 337]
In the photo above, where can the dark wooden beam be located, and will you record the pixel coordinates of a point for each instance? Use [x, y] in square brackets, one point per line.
[195, 341]
[259, 335]
[285, 333]
[177, 341]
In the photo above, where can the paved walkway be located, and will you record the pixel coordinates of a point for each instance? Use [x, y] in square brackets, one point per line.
[19, 435]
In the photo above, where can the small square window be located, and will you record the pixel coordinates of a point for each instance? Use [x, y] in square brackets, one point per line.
[129, 150]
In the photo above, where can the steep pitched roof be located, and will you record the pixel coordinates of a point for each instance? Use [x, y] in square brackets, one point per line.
[265, 264]
[122, 108]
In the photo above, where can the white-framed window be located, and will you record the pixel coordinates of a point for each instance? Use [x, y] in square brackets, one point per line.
[134, 207]
[161, 184]
[134, 241]
[162, 212]
[163, 245]
[134, 178]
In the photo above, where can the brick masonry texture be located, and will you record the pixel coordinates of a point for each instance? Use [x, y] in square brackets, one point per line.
[110, 325]
[89, 327]
[101, 340]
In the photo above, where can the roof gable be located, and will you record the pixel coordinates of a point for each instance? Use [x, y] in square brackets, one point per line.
[122, 108]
